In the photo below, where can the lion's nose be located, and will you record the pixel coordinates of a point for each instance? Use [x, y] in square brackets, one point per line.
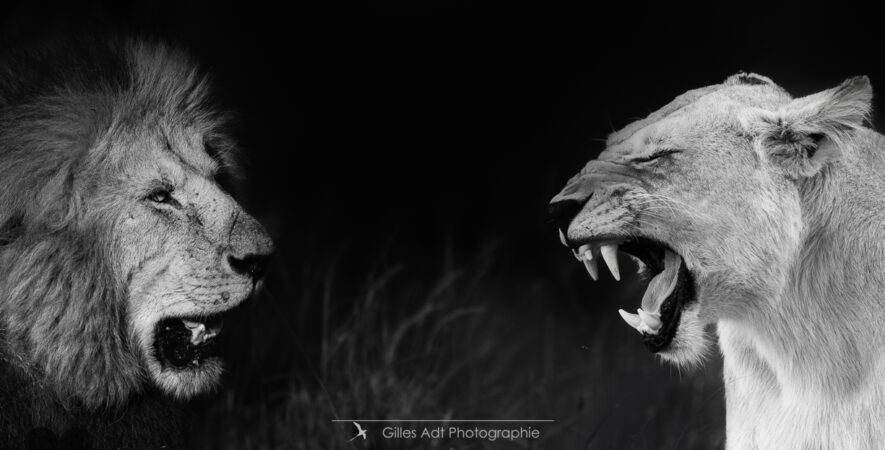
[252, 265]
[249, 248]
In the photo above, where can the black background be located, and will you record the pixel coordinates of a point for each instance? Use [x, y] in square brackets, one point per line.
[430, 135]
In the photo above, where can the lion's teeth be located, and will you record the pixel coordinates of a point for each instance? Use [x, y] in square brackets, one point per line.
[632, 319]
[590, 264]
[583, 249]
[610, 256]
[562, 237]
[651, 320]
[588, 255]
[581, 252]
[198, 334]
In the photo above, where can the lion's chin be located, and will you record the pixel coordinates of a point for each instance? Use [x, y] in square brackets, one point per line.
[189, 382]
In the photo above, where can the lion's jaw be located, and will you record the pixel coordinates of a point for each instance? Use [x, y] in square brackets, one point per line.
[176, 331]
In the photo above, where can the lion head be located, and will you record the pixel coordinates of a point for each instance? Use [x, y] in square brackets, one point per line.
[706, 196]
[119, 249]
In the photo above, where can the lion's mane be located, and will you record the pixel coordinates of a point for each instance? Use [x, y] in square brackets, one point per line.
[67, 355]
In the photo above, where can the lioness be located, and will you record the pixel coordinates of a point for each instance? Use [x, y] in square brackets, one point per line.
[763, 214]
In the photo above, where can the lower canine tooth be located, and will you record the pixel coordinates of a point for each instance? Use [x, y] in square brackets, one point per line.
[653, 321]
[610, 256]
[632, 319]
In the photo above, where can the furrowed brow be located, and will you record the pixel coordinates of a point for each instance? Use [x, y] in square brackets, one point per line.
[197, 160]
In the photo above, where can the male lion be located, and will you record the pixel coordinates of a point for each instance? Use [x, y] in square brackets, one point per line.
[763, 214]
[118, 249]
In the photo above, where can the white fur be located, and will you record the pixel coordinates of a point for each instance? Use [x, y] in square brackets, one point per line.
[777, 206]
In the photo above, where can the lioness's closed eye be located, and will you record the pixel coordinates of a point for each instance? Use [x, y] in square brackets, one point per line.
[761, 213]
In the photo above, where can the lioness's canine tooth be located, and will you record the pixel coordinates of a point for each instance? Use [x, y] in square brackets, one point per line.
[562, 238]
[588, 255]
[610, 256]
[652, 320]
[590, 264]
[632, 319]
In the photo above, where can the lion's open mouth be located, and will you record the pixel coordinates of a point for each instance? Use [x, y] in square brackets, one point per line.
[184, 343]
[669, 290]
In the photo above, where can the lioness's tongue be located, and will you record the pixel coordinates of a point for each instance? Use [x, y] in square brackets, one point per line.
[662, 285]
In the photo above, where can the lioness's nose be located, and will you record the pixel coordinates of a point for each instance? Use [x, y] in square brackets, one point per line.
[563, 210]
[566, 205]
[597, 177]
[252, 265]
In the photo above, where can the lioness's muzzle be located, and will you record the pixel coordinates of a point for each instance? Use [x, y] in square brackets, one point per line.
[602, 198]
[590, 181]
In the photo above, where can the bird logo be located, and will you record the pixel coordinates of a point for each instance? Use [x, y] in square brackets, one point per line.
[359, 432]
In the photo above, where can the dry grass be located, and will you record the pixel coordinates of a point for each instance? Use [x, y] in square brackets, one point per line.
[458, 340]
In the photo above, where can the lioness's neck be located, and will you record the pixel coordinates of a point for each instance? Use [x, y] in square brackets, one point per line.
[820, 336]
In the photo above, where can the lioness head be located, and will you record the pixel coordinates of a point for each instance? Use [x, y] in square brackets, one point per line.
[705, 196]
[120, 251]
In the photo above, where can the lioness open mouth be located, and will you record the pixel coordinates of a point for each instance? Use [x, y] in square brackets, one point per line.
[183, 343]
[670, 288]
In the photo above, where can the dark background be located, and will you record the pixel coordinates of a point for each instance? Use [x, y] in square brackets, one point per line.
[402, 154]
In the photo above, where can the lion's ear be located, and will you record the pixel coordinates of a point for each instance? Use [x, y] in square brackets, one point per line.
[804, 135]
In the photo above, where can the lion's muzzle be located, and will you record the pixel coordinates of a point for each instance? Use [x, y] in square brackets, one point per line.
[184, 345]
[250, 247]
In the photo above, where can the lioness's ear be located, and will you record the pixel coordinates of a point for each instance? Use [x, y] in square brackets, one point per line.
[804, 135]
